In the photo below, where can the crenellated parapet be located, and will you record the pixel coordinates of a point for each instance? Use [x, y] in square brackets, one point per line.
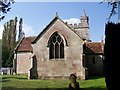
[82, 28]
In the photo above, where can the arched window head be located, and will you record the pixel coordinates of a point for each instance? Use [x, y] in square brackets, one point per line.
[56, 47]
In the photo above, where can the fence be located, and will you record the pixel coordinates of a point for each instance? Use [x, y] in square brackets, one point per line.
[6, 71]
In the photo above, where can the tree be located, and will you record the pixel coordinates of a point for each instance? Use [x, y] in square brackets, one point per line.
[5, 7]
[20, 29]
[111, 47]
[0, 53]
[8, 42]
[5, 52]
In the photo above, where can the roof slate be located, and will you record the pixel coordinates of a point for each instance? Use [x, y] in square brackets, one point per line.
[94, 48]
[25, 44]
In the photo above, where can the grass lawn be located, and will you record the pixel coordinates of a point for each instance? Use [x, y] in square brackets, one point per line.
[20, 82]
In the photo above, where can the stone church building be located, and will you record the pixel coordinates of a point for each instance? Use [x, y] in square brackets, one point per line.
[59, 50]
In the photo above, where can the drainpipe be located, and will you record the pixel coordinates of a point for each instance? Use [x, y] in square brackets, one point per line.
[15, 62]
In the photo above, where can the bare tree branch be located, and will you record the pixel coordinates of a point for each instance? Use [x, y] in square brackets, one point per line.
[114, 5]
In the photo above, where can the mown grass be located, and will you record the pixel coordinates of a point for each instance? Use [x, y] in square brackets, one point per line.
[16, 82]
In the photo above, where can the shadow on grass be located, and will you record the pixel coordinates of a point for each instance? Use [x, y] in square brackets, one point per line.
[8, 78]
[93, 88]
[5, 80]
[13, 77]
[95, 77]
[89, 88]
[19, 77]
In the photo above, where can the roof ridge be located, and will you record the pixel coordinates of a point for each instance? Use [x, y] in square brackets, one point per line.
[30, 36]
[18, 44]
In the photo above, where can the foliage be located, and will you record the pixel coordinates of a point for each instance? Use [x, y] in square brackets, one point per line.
[8, 42]
[21, 82]
[0, 52]
[5, 7]
[111, 58]
[21, 33]
[9, 62]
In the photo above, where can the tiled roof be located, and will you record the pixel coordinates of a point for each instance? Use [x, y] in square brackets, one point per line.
[93, 48]
[25, 44]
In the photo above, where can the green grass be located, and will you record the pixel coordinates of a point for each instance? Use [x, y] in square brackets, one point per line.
[13, 82]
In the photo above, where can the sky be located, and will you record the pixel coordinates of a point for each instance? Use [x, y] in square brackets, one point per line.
[37, 15]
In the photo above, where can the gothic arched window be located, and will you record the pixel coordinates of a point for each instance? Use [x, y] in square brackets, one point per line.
[56, 47]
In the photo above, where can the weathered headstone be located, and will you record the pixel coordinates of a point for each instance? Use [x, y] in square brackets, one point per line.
[73, 85]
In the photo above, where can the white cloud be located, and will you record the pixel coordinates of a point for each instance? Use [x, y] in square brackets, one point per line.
[28, 30]
[1, 30]
[72, 20]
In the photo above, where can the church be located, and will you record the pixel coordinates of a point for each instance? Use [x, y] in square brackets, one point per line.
[58, 51]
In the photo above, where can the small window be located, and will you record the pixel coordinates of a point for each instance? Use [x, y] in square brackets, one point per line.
[93, 60]
[84, 48]
[84, 61]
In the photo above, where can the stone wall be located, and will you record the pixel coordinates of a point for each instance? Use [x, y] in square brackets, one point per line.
[95, 67]
[23, 62]
[72, 61]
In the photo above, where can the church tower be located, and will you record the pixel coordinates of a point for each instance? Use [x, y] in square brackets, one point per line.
[82, 28]
[84, 20]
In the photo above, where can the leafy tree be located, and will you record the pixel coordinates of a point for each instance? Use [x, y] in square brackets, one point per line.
[5, 7]
[0, 53]
[5, 52]
[20, 29]
[111, 33]
[9, 62]
[8, 42]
